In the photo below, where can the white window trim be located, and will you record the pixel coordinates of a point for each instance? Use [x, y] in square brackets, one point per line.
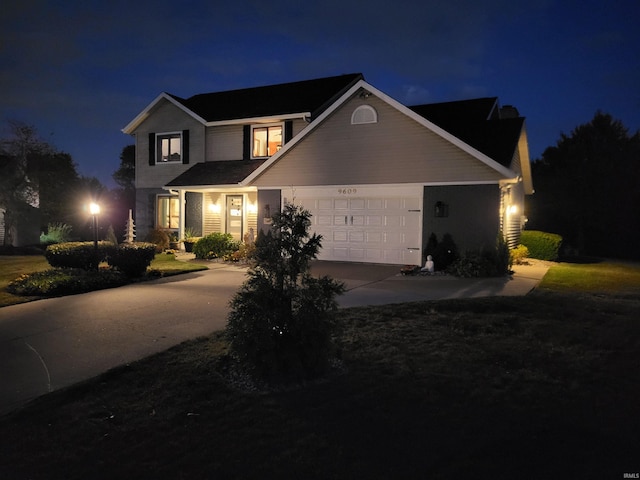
[159, 150]
[373, 117]
[265, 125]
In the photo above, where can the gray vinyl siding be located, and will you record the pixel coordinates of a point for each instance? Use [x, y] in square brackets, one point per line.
[145, 219]
[224, 143]
[396, 149]
[473, 219]
[166, 117]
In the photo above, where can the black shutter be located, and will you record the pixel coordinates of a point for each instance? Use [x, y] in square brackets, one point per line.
[185, 146]
[152, 149]
[288, 130]
[246, 142]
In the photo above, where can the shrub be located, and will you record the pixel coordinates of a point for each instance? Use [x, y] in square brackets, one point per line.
[446, 252]
[281, 323]
[472, 264]
[68, 281]
[111, 236]
[542, 245]
[77, 254]
[132, 259]
[159, 238]
[488, 262]
[244, 252]
[519, 255]
[215, 245]
[56, 233]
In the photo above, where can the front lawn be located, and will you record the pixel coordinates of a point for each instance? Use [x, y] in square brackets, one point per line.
[542, 386]
[13, 266]
[608, 277]
[68, 281]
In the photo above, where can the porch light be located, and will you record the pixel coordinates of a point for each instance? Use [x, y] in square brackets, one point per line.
[513, 209]
[252, 208]
[214, 208]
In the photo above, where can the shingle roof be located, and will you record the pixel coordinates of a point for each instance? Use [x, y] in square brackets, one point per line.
[477, 123]
[306, 96]
[228, 172]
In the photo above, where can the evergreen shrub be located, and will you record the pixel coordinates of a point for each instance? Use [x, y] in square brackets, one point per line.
[282, 320]
[542, 245]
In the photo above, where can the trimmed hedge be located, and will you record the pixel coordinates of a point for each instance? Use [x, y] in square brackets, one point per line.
[77, 254]
[65, 281]
[132, 259]
[541, 245]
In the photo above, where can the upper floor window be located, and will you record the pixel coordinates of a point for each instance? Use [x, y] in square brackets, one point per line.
[364, 114]
[169, 147]
[266, 140]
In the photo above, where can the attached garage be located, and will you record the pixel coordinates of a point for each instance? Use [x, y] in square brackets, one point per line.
[373, 224]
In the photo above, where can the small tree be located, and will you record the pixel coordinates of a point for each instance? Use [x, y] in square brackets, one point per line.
[281, 323]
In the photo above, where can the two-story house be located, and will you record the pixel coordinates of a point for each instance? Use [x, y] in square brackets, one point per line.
[378, 177]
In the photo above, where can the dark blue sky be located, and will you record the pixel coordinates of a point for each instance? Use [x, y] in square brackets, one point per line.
[79, 71]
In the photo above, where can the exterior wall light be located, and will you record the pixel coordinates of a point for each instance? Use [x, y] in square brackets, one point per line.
[441, 209]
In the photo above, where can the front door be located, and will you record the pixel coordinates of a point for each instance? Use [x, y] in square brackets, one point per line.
[235, 216]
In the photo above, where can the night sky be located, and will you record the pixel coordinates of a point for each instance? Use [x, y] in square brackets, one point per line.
[79, 71]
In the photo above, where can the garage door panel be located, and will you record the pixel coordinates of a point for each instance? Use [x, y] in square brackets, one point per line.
[375, 229]
[393, 221]
[357, 236]
[323, 219]
[340, 236]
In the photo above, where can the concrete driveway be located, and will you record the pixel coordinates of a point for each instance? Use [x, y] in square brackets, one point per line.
[50, 344]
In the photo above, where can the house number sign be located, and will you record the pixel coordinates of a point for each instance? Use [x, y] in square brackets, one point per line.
[347, 191]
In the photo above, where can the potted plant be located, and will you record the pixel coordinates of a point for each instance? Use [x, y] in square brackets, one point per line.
[189, 239]
[174, 243]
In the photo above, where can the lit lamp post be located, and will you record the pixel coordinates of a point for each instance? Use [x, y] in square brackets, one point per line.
[94, 210]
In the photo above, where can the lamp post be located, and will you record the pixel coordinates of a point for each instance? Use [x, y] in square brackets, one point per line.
[94, 210]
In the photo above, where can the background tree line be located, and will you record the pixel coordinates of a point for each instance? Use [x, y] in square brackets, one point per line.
[34, 174]
[587, 189]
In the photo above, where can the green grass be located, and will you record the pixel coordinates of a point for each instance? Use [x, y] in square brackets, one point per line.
[12, 267]
[542, 386]
[604, 277]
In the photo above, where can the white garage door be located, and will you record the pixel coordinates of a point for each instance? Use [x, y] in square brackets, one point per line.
[358, 226]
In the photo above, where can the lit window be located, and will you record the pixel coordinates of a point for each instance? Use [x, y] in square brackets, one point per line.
[266, 141]
[169, 147]
[168, 212]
